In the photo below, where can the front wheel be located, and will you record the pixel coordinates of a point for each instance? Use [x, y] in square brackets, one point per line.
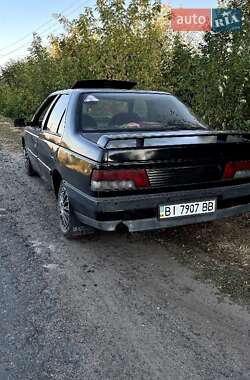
[69, 224]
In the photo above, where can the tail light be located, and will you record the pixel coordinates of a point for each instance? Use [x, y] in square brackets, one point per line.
[119, 180]
[239, 169]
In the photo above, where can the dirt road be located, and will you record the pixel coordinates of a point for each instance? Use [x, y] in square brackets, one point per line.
[113, 306]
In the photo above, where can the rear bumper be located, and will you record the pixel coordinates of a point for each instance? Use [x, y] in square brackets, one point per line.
[132, 211]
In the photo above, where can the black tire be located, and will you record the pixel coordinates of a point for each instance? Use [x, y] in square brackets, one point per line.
[70, 226]
[28, 166]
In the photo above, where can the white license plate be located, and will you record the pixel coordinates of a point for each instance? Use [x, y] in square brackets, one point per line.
[187, 209]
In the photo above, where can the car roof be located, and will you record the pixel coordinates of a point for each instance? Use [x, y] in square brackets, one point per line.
[106, 85]
[108, 90]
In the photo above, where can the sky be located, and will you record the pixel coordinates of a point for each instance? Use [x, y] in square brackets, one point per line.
[20, 18]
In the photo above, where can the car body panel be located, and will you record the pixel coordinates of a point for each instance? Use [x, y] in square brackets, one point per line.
[48, 145]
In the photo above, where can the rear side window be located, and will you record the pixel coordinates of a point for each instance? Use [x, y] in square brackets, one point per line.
[56, 116]
[43, 110]
[62, 124]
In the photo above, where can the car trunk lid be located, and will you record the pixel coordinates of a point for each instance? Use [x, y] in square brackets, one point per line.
[178, 157]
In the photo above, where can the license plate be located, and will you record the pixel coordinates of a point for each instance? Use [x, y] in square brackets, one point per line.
[187, 209]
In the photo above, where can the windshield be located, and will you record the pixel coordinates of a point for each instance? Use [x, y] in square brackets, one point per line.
[134, 111]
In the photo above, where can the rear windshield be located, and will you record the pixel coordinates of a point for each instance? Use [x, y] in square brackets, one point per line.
[134, 111]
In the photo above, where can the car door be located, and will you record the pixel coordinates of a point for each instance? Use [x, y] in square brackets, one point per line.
[32, 132]
[50, 136]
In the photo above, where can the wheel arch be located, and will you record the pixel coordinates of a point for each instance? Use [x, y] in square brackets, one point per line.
[56, 180]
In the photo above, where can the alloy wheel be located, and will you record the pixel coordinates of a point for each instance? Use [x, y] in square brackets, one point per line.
[64, 208]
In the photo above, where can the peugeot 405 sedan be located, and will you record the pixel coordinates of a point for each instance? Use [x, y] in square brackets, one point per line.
[119, 157]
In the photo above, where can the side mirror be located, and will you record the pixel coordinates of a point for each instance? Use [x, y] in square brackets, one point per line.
[20, 123]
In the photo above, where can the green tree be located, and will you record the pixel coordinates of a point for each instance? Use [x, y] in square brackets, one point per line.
[223, 75]
[129, 41]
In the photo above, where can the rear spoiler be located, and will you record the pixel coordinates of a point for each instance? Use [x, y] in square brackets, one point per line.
[111, 84]
[140, 137]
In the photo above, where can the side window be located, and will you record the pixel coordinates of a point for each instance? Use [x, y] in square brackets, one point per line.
[43, 110]
[56, 115]
[62, 124]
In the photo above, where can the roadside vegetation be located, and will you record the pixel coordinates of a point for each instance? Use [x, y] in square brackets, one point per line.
[135, 41]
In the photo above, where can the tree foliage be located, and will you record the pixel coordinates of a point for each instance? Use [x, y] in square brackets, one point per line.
[120, 41]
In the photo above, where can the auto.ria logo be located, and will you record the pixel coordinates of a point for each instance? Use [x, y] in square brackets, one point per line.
[217, 20]
[226, 20]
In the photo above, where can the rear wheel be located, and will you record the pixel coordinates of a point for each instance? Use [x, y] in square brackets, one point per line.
[69, 224]
[28, 166]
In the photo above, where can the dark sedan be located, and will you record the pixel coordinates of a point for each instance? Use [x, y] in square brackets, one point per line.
[120, 157]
